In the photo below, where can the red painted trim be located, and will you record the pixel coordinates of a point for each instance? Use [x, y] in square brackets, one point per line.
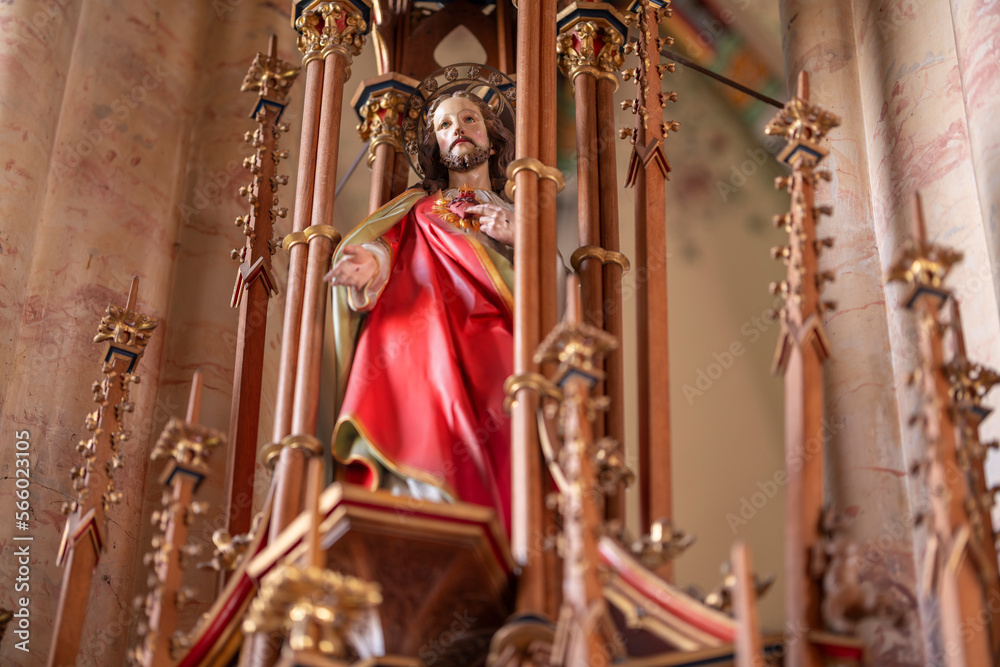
[705, 624]
[835, 651]
[210, 637]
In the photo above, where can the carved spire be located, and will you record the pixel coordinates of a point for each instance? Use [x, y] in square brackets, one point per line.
[186, 446]
[802, 349]
[271, 78]
[650, 128]
[583, 632]
[957, 560]
[648, 170]
[805, 126]
[125, 333]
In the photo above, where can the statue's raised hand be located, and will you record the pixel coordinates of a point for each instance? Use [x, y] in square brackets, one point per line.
[495, 221]
[355, 269]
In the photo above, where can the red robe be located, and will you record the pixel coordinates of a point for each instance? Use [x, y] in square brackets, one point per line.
[424, 396]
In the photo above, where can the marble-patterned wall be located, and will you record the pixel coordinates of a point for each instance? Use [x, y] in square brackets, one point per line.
[977, 41]
[904, 77]
[36, 45]
[121, 125]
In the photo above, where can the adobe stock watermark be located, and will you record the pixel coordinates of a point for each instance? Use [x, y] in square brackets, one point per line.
[113, 116]
[751, 505]
[209, 190]
[711, 29]
[752, 330]
[740, 174]
[49, 11]
[895, 15]
[436, 649]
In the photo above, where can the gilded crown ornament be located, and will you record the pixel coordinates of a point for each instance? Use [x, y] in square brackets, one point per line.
[591, 36]
[332, 27]
[294, 598]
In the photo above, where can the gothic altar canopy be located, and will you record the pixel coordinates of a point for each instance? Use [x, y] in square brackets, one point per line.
[464, 427]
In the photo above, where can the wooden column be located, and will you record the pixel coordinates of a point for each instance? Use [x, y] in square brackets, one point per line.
[127, 334]
[330, 34]
[612, 271]
[527, 495]
[591, 35]
[582, 635]
[956, 556]
[970, 382]
[648, 171]
[187, 446]
[802, 349]
[749, 647]
[271, 78]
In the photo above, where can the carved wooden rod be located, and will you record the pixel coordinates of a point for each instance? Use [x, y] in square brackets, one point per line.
[956, 553]
[271, 78]
[802, 349]
[527, 501]
[648, 170]
[126, 333]
[612, 272]
[590, 54]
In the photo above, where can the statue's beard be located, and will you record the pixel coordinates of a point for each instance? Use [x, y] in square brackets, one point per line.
[466, 162]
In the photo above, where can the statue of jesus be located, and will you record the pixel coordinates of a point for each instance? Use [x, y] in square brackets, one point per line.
[423, 319]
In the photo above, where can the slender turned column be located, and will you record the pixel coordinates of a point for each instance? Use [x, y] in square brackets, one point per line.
[802, 349]
[612, 272]
[380, 104]
[527, 502]
[550, 275]
[313, 67]
[588, 200]
[648, 170]
[591, 35]
[382, 160]
[749, 647]
[401, 178]
[329, 34]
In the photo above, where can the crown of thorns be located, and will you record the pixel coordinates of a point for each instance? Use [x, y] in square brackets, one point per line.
[491, 85]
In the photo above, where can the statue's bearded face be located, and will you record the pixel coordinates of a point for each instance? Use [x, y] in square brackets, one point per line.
[461, 135]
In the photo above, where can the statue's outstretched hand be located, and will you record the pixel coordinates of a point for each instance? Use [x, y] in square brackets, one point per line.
[495, 221]
[355, 269]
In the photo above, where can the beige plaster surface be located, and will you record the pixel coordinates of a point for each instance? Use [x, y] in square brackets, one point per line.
[121, 122]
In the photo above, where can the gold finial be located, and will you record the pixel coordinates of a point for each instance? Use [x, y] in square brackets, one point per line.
[270, 76]
[922, 265]
[801, 120]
